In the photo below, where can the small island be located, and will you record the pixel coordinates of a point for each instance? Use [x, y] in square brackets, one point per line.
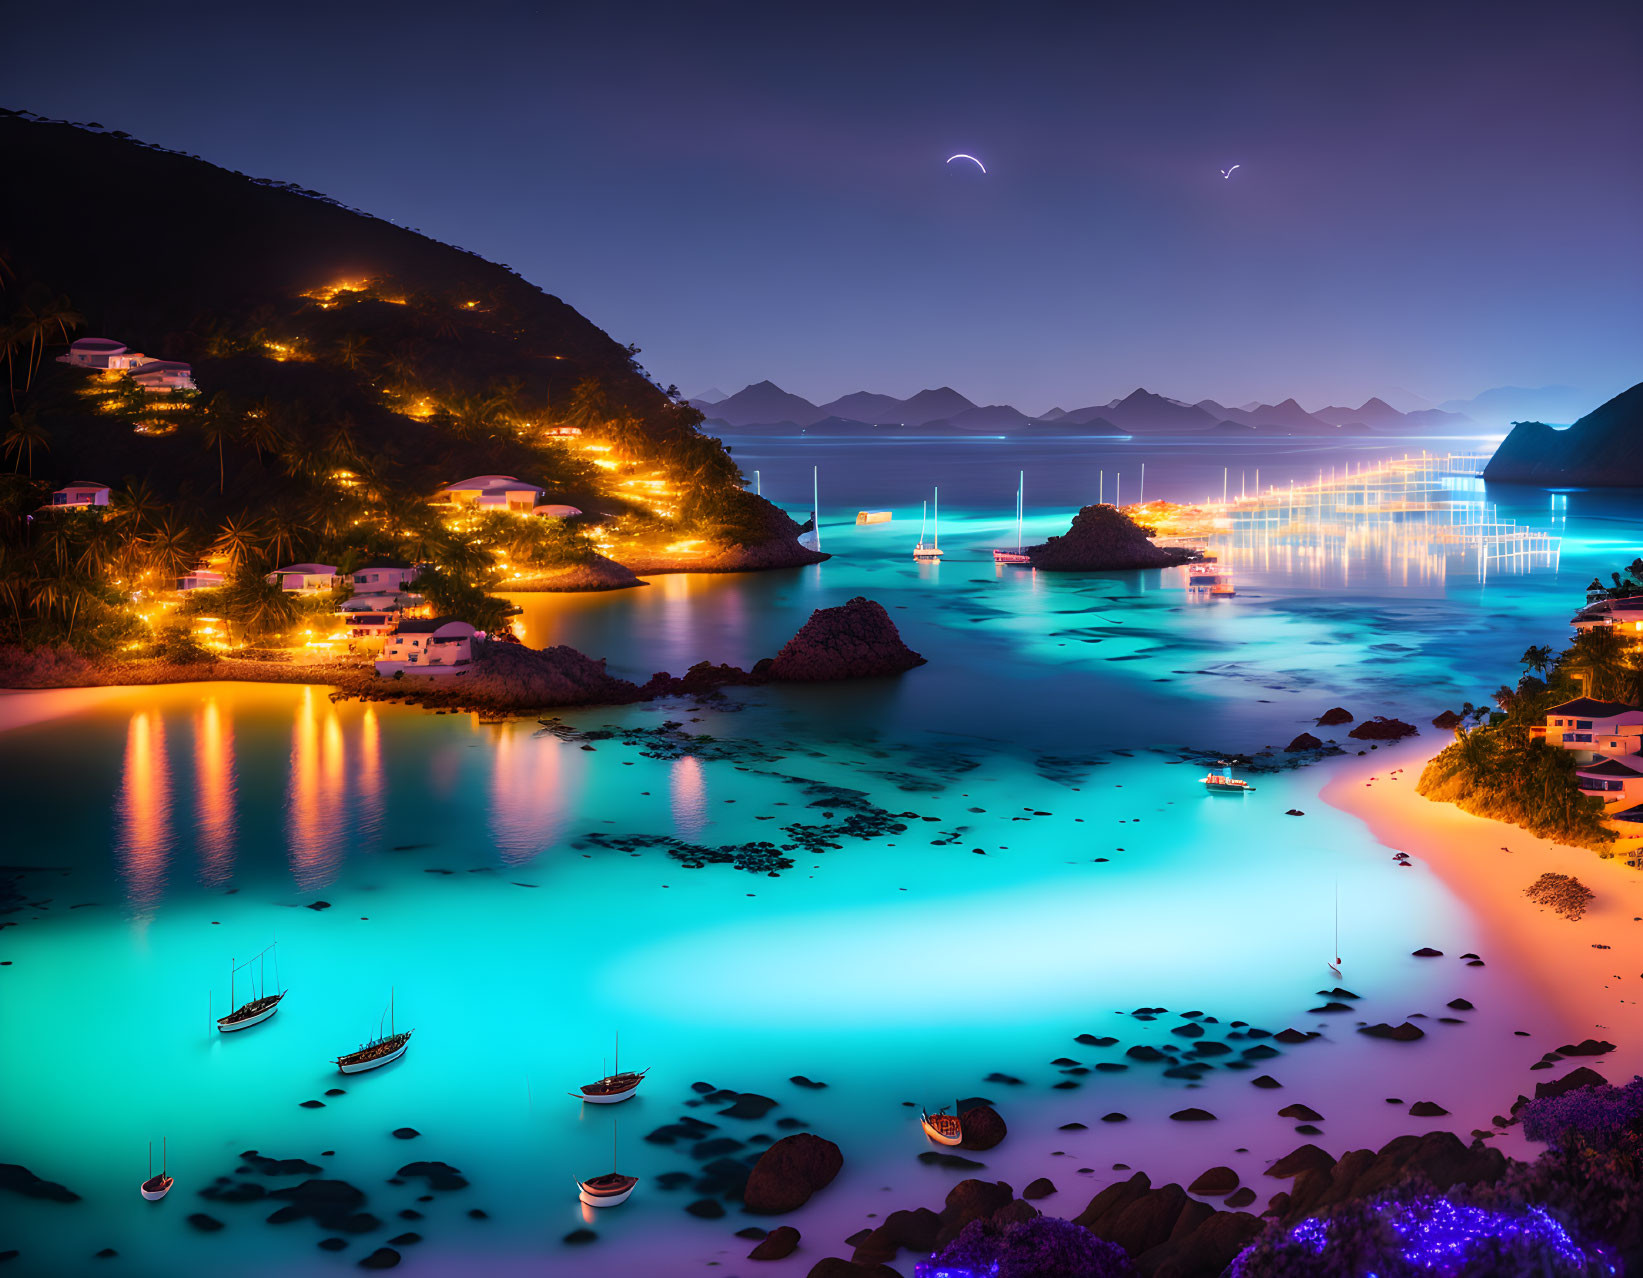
[1103, 539]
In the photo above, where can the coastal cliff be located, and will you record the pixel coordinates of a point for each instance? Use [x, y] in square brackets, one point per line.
[1102, 538]
[1603, 449]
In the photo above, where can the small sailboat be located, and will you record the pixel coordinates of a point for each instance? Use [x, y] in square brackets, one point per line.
[157, 1187]
[941, 1127]
[380, 1050]
[1018, 555]
[810, 538]
[610, 1190]
[932, 552]
[262, 1005]
[1335, 967]
[614, 1087]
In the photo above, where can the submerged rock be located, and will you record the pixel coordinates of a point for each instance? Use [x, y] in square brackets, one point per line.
[20, 1180]
[778, 1244]
[1334, 715]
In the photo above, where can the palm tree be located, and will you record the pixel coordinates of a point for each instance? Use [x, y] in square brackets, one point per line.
[261, 429]
[137, 504]
[25, 435]
[1602, 656]
[1536, 657]
[220, 424]
[238, 541]
[286, 530]
[170, 549]
[351, 347]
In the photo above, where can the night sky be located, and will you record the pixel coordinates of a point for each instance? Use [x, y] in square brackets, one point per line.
[1441, 198]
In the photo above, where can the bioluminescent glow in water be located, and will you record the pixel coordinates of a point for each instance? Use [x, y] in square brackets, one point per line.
[979, 872]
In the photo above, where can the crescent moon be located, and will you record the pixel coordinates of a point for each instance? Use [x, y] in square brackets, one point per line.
[972, 159]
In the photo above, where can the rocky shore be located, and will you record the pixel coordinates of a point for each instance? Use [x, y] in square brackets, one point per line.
[856, 640]
[598, 573]
[1104, 539]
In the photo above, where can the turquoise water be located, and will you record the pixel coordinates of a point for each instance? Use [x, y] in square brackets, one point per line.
[512, 887]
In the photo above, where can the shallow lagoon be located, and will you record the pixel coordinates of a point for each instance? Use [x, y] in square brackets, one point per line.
[459, 861]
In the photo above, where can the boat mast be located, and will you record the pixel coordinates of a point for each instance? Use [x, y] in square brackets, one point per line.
[1020, 506]
[815, 502]
[618, 1068]
[151, 1160]
[935, 524]
[231, 1003]
[923, 522]
[164, 1158]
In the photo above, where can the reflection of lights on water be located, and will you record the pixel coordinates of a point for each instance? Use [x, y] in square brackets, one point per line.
[314, 809]
[145, 836]
[214, 792]
[687, 790]
[527, 796]
[369, 773]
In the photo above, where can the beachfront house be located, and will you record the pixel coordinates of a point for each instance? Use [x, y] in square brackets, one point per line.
[305, 579]
[1614, 780]
[436, 646]
[491, 492]
[201, 578]
[370, 625]
[80, 495]
[102, 355]
[1597, 729]
[1623, 616]
[158, 376]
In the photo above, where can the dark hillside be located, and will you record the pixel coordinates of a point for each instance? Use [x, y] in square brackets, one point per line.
[1603, 449]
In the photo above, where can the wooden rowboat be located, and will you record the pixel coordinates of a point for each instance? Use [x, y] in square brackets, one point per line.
[610, 1190]
[942, 1127]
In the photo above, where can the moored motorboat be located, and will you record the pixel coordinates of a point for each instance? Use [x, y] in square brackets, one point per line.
[942, 1127]
[1218, 783]
[381, 1050]
[156, 1187]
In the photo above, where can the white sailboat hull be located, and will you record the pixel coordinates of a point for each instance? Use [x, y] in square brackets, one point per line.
[154, 1195]
[359, 1067]
[604, 1200]
[249, 1021]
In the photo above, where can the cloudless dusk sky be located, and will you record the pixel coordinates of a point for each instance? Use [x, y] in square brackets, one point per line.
[1440, 197]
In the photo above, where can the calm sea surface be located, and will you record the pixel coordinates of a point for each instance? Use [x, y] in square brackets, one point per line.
[527, 894]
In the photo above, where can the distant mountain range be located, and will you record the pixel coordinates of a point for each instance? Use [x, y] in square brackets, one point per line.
[766, 407]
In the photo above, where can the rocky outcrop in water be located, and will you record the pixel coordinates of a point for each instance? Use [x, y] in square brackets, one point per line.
[1104, 539]
[1380, 728]
[789, 1172]
[854, 641]
[557, 676]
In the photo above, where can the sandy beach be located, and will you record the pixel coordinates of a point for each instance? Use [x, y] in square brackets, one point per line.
[1591, 970]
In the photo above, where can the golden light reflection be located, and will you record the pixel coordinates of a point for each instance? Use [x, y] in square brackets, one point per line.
[214, 792]
[145, 835]
[528, 802]
[687, 790]
[371, 807]
[314, 807]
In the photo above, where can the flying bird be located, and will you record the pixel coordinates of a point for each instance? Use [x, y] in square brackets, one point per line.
[972, 159]
[1226, 173]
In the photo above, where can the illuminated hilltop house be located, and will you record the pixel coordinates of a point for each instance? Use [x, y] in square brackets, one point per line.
[160, 375]
[79, 495]
[1596, 729]
[491, 492]
[384, 577]
[102, 355]
[436, 646]
[305, 579]
[1623, 616]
